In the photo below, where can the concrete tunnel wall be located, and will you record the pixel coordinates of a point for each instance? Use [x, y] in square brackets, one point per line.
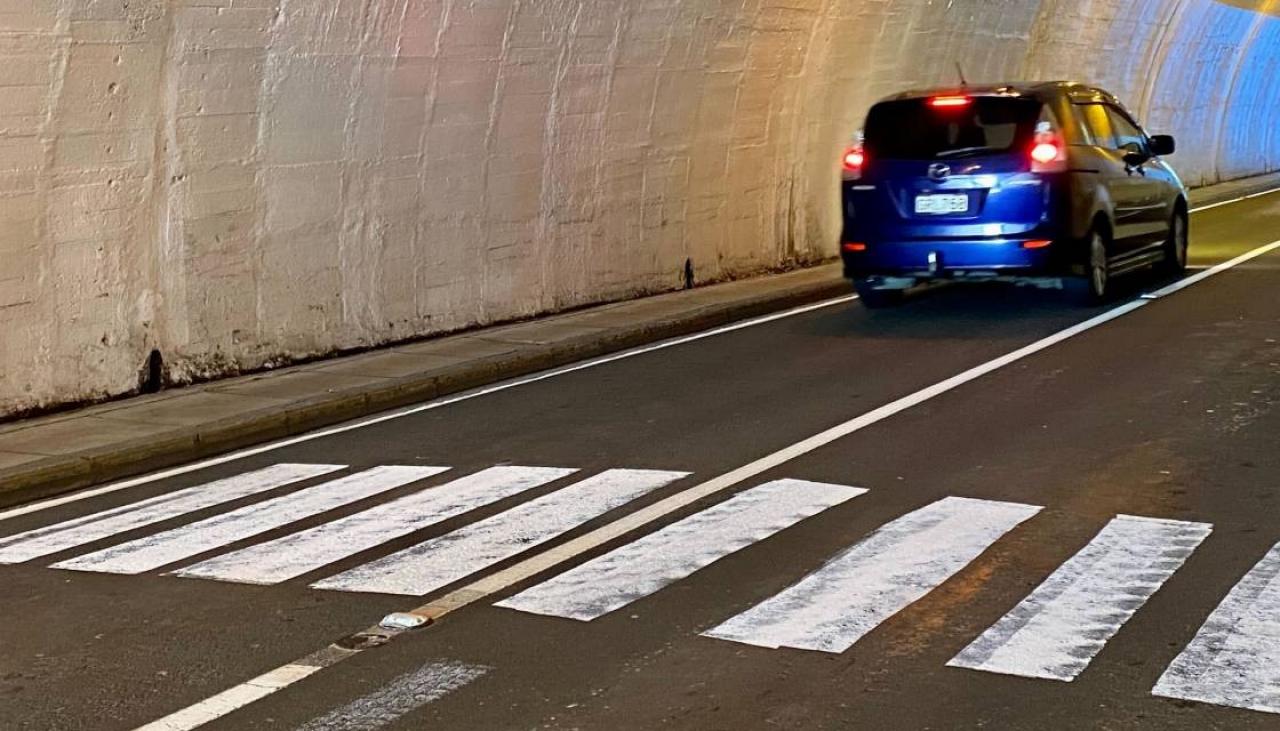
[237, 183]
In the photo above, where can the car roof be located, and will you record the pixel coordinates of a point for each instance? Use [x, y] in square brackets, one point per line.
[1076, 91]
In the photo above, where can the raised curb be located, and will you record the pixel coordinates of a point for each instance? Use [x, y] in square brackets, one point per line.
[51, 476]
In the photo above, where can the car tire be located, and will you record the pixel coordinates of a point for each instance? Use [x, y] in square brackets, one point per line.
[878, 299]
[1175, 247]
[1094, 287]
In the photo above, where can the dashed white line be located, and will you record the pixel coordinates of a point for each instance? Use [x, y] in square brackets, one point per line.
[646, 565]
[1057, 631]
[441, 561]
[152, 552]
[79, 531]
[832, 608]
[296, 554]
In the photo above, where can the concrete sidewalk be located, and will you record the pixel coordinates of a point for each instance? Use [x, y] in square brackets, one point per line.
[50, 455]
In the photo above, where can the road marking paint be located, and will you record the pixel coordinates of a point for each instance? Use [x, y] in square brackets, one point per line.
[411, 410]
[891, 569]
[444, 560]
[1228, 202]
[79, 531]
[152, 552]
[1057, 631]
[486, 587]
[229, 700]
[647, 564]
[399, 698]
[296, 554]
[1202, 275]
[1234, 659]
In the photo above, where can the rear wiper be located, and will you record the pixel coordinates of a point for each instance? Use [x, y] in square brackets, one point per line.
[962, 151]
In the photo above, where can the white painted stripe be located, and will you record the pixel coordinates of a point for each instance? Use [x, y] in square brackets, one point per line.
[444, 560]
[152, 552]
[211, 709]
[1234, 659]
[1198, 277]
[411, 410]
[399, 698]
[1057, 631]
[852, 594]
[293, 555]
[79, 531]
[1231, 201]
[546, 560]
[467, 395]
[644, 566]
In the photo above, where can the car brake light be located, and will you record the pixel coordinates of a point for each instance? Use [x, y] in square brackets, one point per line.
[950, 101]
[1044, 152]
[852, 162]
[853, 159]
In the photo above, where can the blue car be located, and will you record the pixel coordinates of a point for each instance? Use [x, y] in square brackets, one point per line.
[1050, 184]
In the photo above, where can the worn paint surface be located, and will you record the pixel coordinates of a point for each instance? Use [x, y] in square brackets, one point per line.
[240, 182]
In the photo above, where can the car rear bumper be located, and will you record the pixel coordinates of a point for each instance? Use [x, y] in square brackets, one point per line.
[956, 258]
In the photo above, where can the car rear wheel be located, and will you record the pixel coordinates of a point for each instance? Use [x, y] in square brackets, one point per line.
[1175, 247]
[1092, 289]
[876, 299]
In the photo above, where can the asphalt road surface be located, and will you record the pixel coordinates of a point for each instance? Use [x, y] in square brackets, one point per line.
[835, 519]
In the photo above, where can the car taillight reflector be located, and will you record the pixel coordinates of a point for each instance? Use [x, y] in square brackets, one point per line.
[1036, 244]
[852, 246]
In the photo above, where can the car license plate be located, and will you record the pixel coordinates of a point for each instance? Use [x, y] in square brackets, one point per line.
[942, 203]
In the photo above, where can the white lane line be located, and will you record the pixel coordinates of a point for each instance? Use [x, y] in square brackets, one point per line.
[444, 560]
[151, 552]
[399, 698]
[644, 566]
[467, 395]
[211, 709]
[79, 531]
[409, 411]
[296, 554]
[891, 569]
[500, 581]
[1234, 659]
[1057, 631]
[1219, 204]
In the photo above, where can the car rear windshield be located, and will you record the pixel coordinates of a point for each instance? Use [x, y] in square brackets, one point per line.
[916, 129]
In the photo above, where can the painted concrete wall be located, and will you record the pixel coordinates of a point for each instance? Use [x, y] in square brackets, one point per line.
[239, 182]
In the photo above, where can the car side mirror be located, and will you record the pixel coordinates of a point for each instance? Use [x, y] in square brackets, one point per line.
[1162, 145]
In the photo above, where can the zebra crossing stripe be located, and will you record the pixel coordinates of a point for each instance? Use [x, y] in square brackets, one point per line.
[152, 552]
[441, 561]
[399, 698]
[79, 531]
[1057, 631]
[1234, 659]
[299, 553]
[644, 566]
[852, 594]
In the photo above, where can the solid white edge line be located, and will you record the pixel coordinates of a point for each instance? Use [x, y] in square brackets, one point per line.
[229, 700]
[410, 410]
[467, 395]
[529, 567]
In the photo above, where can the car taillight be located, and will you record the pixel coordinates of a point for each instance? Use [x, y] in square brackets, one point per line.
[950, 101]
[1048, 153]
[852, 162]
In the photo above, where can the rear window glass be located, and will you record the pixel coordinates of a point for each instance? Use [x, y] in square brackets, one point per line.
[912, 129]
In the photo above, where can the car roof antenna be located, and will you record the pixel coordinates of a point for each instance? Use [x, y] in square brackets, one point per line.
[960, 70]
